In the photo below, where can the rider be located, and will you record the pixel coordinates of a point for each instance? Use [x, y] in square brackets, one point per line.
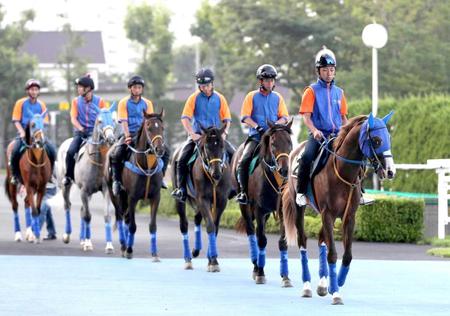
[204, 108]
[23, 111]
[259, 106]
[83, 114]
[324, 111]
[130, 116]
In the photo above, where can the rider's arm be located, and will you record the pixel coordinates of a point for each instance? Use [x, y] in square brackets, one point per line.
[225, 115]
[344, 109]
[17, 117]
[187, 126]
[74, 115]
[247, 109]
[125, 129]
[283, 113]
[306, 109]
[187, 114]
[20, 129]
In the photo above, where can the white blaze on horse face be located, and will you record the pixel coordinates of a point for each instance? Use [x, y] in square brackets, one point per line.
[156, 124]
[390, 166]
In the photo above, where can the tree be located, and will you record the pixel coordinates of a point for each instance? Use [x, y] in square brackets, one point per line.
[15, 68]
[70, 61]
[149, 26]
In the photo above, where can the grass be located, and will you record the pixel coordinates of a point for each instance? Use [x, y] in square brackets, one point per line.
[439, 252]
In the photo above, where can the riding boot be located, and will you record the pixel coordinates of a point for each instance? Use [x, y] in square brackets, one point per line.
[242, 177]
[117, 184]
[302, 183]
[165, 158]
[180, 193]
[14, 163]
[70, 165]
[51, 153]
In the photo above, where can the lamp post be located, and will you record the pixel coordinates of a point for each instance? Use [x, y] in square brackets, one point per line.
[374, 36]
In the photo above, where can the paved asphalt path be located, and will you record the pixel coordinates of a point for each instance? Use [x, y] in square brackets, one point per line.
[230, 244]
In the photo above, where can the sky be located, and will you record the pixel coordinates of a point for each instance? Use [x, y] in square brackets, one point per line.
[90, 14]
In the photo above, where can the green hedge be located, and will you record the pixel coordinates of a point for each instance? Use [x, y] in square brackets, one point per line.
[388, 220]
[419, 130]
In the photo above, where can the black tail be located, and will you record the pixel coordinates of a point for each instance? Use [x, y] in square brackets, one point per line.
[8, 194]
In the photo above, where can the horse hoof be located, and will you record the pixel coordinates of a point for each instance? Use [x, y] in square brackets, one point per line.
[213, 268]
[254, 274]
[109, 250]
[286, 282]
[66, 238]
[322, 291]
[87, 246]
[188, 266]
[337, 299]
[307, 292]
[195, 253]
[124, 253]
[156, 259]
[129, 255]
[37, 240]
[260, 279]
[29, 235]
[18, 237]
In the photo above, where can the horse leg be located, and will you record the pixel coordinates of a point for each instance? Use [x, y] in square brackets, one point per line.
[283, 247]
[35, 226]
[333, 288]
[109, 248]
[131, 221]
[212, 254]
[198, 235]
[152, 226]
[86, 218]
[67, 206]
[322, 287]
[262, 243]
[348, 227]
[15, 206]
[301, 242]
[121, 205]
[247, 220]
[181, 210]
[29, 232]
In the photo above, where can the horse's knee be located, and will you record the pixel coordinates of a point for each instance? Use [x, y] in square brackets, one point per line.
[262, 241]
[282, 244]
[346, 259]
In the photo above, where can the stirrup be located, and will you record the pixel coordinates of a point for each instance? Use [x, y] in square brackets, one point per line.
[116, 188]
[164, 184]
[300, 199]
[241, 198]
[365, 200]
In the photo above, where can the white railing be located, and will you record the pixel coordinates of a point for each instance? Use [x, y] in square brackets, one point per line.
[442, 168]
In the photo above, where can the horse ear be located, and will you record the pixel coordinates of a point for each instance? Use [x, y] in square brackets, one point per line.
[43, 114]
[162, 113]
[202, 128]
[269, 123]
[289, 123]
[146, 114]
[371, 120]
[222, 129]
[113, 107]
[388, 117]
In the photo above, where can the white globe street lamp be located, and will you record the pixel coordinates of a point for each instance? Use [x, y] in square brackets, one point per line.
[374, 36]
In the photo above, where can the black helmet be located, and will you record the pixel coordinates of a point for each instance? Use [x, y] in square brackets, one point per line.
[32, 82]
[204, 76]
[325, 57]
[85, 81]
[136, 80]
[266, 71]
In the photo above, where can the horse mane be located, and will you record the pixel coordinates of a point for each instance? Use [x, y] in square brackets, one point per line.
[266, 137]
[28, 133]
[354, 121]
[151, 115]
[210, 131]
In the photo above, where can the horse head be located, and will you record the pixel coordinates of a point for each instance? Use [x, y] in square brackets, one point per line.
[375, 144]
[154, 130]
[104, 126]
[276, 146]
[212, 151]
[35, 130]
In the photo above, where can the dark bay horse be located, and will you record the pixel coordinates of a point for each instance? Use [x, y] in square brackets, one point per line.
[208, 195]
[336, 193]
[35, 171]
[141, 179]
[264, 194]
[89, 179]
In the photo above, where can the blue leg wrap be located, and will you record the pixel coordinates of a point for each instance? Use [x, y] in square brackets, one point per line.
[68, 228]
[108, 232]
[130, 240]
[82, 230]
[284, 270]
[333, 287]
[253, 247]
[35, 226]
[28, 216]
[16, 222]
[187, 253]
[323, 268]
[153, 247]
[212, 248]
[306, 276]
[121, 230]
[343, 271]
[198, 237]
[126, 229]
[88, 230]
[261, 258]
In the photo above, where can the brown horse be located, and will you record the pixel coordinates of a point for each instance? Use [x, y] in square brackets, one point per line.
[35, 171]
[141, 179]
[265, 185]
[335, 193]
[211, 186]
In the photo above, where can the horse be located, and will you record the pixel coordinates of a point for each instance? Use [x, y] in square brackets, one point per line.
[141, 179]
[35, 170]
[209, 188]
[335, 193]
[265, 184]
[89, 179]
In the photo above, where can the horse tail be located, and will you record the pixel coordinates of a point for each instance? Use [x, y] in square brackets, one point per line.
[7, 193]
[241, 226]
[290, 212]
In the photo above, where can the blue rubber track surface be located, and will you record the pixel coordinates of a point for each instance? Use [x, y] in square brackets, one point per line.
[49, 285]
